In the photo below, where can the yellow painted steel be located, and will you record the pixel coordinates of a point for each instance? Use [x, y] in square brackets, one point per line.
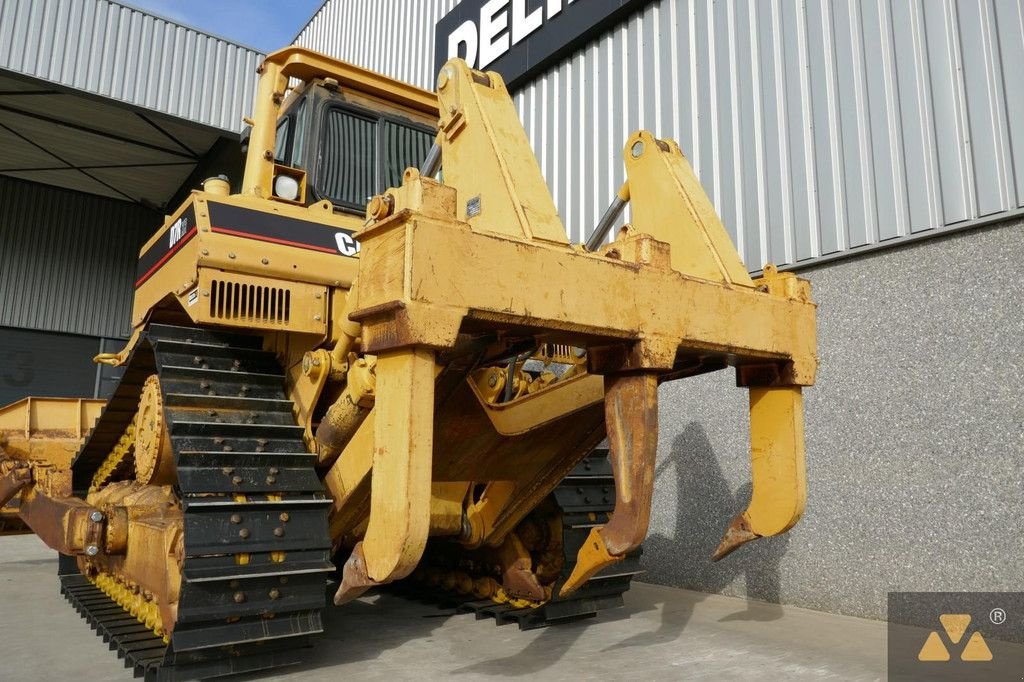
[778, 468]
[692, 307]
[117, 458]
[493, 158]
[400, 493]
[46, 429]
[399, 520]
[412, 383]
[778, 462]
[670, 205]
[667, 310]
[535, 409]
[217, 256]
[146, 611]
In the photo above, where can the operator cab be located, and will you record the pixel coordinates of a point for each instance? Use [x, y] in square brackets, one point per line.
[345, 147]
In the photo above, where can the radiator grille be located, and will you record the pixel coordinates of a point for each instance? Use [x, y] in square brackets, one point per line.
[237, 301]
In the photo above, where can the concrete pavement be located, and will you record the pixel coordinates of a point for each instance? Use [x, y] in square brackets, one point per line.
[661, 634]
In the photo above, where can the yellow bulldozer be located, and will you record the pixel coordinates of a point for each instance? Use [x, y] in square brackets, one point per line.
[382, 360]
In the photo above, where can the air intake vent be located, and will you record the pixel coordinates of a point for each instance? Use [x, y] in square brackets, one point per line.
[249, 302]
[560, 353]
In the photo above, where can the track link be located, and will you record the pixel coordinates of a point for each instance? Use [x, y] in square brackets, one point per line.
[255, 516]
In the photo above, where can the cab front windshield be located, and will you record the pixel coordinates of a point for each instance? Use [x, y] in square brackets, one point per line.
[359, 153]
[362, 156]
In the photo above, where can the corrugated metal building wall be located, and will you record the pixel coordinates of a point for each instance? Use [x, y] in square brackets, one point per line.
[117, 51]
[393, 37]
[86, 68]
[67, 259]
[816, 127]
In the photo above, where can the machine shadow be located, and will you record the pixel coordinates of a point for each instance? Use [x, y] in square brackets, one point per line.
[363, 629]
[540, 653]
[704, 506]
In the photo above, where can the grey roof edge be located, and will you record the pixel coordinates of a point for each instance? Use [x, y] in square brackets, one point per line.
[128, 55]
[190, 27]
[1006, 219]
[63, 89]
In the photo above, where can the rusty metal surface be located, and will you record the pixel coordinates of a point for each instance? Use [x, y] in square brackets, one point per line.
[631, 413]
[736, 535]
[62, 522]
[631, 416]
[13, 477]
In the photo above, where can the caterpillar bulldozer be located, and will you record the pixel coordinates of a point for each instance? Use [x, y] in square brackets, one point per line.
[381, 360]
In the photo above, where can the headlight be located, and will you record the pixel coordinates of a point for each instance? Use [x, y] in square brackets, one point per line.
[286, 187]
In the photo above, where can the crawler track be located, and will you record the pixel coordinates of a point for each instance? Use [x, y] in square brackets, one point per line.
[242, 465]
[256, 540]
[586, 496]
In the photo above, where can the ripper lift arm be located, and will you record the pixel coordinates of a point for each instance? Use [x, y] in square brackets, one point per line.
[668, 298]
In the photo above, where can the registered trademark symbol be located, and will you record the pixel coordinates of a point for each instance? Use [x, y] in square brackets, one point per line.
[997, 616]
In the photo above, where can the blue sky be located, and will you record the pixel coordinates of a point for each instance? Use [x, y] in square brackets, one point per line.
[263, 24]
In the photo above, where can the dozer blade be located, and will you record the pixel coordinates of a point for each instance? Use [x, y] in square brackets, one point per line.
[778, 468]
[631, 414]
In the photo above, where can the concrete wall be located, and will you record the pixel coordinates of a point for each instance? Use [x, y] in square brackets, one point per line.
[915, 440]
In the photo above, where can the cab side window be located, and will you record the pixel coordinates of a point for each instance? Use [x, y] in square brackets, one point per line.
[299, 137]
[281, 145]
